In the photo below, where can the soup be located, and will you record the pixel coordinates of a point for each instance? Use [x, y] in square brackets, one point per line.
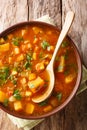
[24, 54]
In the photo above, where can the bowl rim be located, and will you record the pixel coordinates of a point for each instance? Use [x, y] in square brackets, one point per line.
[79, 62]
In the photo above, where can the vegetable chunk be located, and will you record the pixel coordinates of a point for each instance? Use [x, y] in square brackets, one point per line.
[36, 84]
[32, 76]
[40, 66]
[2, 96]
[18, 105]
[4, 47]
[69, 78]
[20, 57]
[29, 108]
[48, 108]
[61, 64]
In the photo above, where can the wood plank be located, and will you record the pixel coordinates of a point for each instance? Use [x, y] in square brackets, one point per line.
[38, 8]
[11, 12]
[78, 31]
[5, 123]
[76, 111]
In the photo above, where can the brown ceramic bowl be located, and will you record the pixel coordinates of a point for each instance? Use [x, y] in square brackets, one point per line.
[78, 76]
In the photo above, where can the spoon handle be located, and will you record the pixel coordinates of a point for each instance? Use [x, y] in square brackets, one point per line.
[68, 21]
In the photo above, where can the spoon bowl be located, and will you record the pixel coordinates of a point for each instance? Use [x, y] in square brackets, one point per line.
[68, 22]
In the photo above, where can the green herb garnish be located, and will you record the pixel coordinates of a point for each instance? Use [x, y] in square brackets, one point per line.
[13, 79]
[41, 54]
[4, 73]
[65, 44]
[17, 40]
[28, 65]
[16, 94]
[59, 96]
[44, 103]
[29, 57]
[5, 103]
[45, 44]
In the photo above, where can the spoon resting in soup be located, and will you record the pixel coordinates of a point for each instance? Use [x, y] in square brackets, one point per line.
[50, 68]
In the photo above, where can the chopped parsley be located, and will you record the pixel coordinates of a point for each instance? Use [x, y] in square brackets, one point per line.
[45, 44]
[4, 73]
[29, 57]
[44, 103]
[59, 96]
[41, 54]
[13, 79]
[28, 65]
[17, 40]
[16, 94]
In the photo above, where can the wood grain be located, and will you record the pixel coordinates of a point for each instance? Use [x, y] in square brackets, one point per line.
[5, 123]
[12, 12]
[38, 8]
[74, 116]
[79, 28]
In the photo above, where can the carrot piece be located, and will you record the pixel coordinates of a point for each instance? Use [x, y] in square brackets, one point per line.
[47, 108]
[2, 96]
[29, 108]
[4, 47]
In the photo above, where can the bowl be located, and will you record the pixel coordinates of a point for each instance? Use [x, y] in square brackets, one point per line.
[79, 64]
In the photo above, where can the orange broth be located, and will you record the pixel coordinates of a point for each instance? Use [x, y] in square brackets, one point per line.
[24, 55]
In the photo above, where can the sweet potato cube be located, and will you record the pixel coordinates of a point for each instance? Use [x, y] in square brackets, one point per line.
[69, 78]
[28, 93]
[4, 47]
[35, 40]
[2, 40]
[17, 105]
[34, 56]
[16, 50]
[2, 96]
[29, 108]
[20, 57]
[32, 76]
[50, 48]
[36, 84]
[23, 32]
[40, 66]
[47, 108]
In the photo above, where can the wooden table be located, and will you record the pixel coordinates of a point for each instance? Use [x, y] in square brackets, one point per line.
[74, 116]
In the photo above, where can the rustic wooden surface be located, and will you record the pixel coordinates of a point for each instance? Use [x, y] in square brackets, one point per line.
[74, 116]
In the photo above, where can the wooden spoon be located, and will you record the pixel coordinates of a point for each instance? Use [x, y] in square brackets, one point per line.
[64, 31]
